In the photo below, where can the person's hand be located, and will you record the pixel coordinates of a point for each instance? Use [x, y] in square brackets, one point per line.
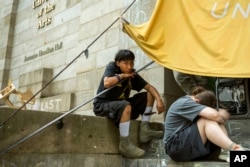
[160, 107]
[224, 113]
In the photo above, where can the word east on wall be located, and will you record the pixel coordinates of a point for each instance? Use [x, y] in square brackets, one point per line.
[53, 104]
[238, 8]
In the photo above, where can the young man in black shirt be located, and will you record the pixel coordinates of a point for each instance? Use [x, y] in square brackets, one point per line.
[119, 106]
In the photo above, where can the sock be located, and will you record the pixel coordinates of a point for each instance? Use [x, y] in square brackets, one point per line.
[124, 128]
[147, 117]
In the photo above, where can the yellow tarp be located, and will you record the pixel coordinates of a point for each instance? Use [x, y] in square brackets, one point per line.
[202, 37]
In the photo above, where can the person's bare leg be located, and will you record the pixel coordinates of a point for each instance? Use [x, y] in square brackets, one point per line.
[126, 114]
[214, 132]
[223, 128]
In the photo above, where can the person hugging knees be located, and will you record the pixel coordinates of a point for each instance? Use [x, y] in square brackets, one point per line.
[117, 104]
[194, 129]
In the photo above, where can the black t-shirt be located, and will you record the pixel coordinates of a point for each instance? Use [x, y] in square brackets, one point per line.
[121, 90]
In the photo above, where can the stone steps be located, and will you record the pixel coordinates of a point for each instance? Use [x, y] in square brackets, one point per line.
[87, 141]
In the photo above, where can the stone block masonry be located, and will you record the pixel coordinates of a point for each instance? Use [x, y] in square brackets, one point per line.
[79, 134]
[87, 141]
[80, 141]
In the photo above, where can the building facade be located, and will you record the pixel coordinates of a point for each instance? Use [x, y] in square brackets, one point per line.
[59, 49]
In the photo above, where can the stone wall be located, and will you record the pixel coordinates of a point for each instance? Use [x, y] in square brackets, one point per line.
[7, 22]
[42, 40]
[79, 140]
[76, 140]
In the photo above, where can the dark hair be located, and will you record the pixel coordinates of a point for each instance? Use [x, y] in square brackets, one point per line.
[206, 97]
[197, 89]
[124, 55]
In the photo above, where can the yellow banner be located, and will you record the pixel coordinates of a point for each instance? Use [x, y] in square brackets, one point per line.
[201, 37]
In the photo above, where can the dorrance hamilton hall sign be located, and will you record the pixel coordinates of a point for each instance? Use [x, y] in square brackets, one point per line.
[44, 52]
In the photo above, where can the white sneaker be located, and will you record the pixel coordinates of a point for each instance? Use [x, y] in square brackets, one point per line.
[224, 155]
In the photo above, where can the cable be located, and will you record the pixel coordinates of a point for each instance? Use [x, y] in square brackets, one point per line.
[65, 114]
[49, 82]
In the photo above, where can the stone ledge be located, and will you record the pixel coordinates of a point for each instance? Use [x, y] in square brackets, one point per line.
[79, 134]
[87, 141]
[62, 160]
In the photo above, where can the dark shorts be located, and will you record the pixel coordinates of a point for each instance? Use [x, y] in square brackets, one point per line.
[187, 145]
[114, 109]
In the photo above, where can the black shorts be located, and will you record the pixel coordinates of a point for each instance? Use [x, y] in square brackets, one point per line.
[187, 145]
[114, 109]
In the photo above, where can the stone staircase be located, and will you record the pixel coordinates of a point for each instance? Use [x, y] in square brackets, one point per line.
[79, 141]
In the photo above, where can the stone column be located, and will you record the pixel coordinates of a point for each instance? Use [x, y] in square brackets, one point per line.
[8, 11]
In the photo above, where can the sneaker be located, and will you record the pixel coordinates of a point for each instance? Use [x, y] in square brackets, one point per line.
[146, 133]
[128, 149]
[224, 155]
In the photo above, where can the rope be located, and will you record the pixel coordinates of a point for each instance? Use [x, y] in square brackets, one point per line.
[49, 82]
[65, 114]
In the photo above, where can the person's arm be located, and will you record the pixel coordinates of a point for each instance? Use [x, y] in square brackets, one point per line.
[213, 114]
[156, 95]
[110, 81]
[224, 113]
